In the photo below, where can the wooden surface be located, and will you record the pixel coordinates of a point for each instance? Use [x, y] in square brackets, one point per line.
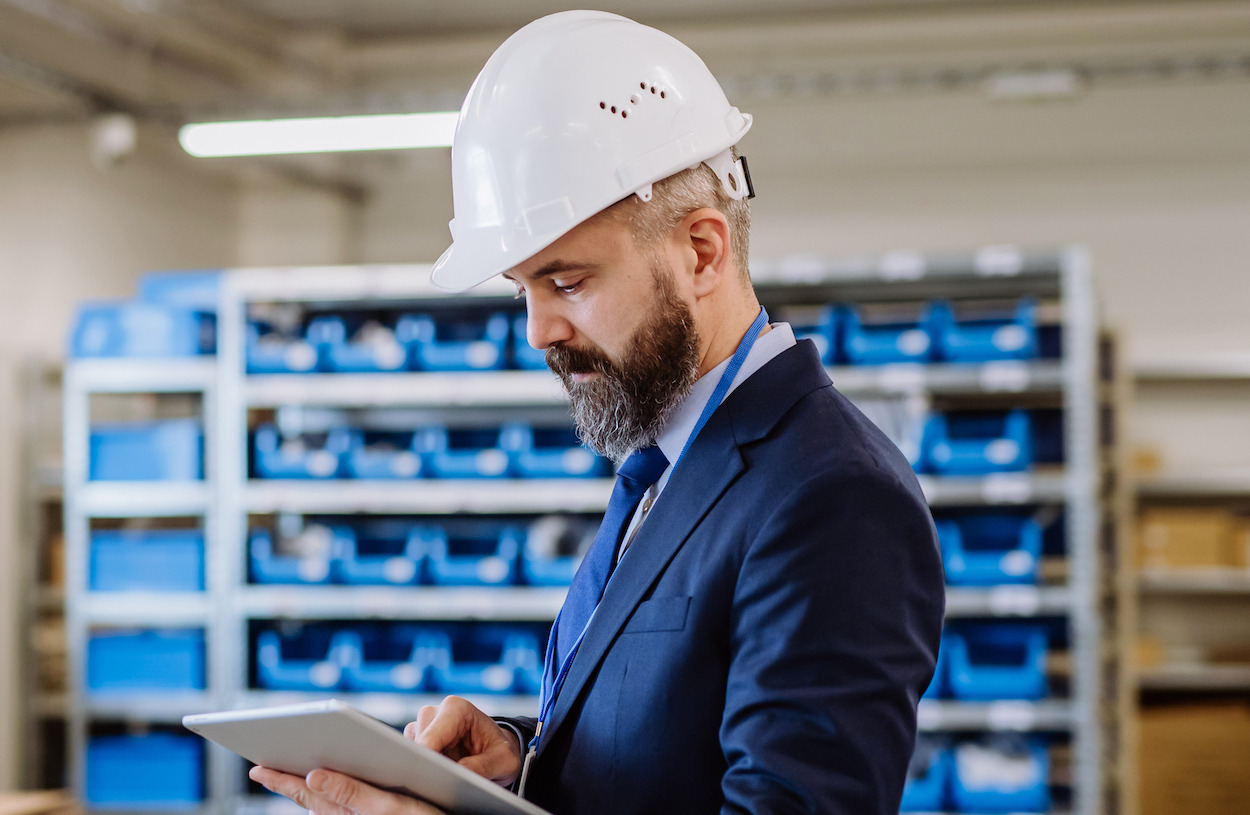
[44, 802]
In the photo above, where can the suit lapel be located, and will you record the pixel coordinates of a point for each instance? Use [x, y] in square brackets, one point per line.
[712, 464]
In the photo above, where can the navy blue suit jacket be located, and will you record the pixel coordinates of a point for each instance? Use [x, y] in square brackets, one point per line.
[764, 641]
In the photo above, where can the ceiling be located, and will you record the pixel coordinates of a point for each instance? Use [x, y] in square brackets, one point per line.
[371, 18]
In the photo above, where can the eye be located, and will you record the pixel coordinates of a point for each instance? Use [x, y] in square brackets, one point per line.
[569, 289]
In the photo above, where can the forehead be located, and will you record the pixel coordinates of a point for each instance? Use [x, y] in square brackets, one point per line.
[593, 243]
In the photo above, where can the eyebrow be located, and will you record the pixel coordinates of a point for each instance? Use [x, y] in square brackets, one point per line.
[556, 267]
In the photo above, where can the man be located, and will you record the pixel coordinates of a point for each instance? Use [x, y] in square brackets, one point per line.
[757, 618]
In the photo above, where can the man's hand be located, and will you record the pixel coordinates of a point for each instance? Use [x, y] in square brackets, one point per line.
[468, 736]
[455, 728]
[329, 793]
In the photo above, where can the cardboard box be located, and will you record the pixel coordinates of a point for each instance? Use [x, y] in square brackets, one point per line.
[1193, 759]
[1239, 551]
[1186, 538]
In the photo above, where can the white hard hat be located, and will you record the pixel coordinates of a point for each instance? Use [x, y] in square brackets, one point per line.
[574, 112]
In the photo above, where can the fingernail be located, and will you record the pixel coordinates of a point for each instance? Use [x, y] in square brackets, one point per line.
[316, 780]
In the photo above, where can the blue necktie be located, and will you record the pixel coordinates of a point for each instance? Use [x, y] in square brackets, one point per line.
[642, 469]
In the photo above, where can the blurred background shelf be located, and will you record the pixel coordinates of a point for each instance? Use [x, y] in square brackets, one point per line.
[411, 602]
[429, 496]
[1196, 678]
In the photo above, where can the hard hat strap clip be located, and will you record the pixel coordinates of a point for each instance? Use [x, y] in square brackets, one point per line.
[731, 173]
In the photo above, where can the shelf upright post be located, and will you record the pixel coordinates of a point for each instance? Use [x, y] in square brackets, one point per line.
[76, 419]
[229, 457]
[1080, 400]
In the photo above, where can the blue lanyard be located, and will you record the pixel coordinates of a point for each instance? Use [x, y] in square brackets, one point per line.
[722, 389]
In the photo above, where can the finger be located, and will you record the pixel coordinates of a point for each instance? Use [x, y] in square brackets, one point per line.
[424, 716]
[293, 787]
[357, 796]
[449, 725]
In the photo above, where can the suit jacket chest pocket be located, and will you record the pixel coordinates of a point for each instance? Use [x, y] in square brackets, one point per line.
[659, 614]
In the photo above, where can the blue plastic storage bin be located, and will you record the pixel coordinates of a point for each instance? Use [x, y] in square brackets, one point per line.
[472, 558]
[369, 557]
[441, 344]
[402, 666]
[370, 348]
[270, 352]
[997, 661]
[1001, 774]
[928, 777]
[147, 560]
[276, 671]
[312, 567]
[995, 335]
[170, 450]
[553, 452]
[384, 454]
[145, 660]
[870, 343]
[525, 356]
[825, 332]
[986, 550]
[312, 455]
[138, 329]
[469, 452]
[939, 686]
[157, 771]
[488, 659]
[977, 443]
[554, 546]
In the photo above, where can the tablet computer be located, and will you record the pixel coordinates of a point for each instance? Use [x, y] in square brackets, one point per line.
[332, 735]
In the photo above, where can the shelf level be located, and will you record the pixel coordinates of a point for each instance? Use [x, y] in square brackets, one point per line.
[1007, 601]
[433, 496]
[147, 706]
[142, 499]
[988, 377]
[511, 388]
[935, 715]
[997, 488]
[415, 602]
[1196, 581]
[145, 608]
[1230, 365]
[1198, 678]
[1231, 481]
[532, 603]
[493, 388]
[137, 375]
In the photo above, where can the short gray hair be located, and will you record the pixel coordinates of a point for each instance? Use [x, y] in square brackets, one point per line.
[677, 196]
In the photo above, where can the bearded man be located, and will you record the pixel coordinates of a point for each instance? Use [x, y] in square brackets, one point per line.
[759, 614]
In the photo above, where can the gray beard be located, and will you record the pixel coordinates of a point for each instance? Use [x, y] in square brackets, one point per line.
[626, 407]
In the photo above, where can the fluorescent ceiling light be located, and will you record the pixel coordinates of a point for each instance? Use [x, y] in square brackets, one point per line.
[328, 134]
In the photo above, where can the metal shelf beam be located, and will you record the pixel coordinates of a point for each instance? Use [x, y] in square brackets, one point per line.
[412, 602]
[937, 715]
[429, 496]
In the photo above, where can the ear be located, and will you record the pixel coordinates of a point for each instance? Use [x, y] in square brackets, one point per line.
[706, 232]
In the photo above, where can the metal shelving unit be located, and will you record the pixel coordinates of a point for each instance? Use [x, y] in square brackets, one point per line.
[86, 501]
[227, 497]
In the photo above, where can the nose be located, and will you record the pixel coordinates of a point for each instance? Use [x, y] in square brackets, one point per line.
[544, 325]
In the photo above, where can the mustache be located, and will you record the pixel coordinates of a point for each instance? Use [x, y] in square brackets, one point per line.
[566, 360]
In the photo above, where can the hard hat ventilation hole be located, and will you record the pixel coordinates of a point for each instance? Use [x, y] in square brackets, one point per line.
[624, 114]
[614, 108]
[603, 105]
[635, 99]
[653, 88]
[662, 94]
[642, 85]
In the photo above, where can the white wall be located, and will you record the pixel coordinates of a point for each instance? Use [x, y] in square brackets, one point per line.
[69, 232]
